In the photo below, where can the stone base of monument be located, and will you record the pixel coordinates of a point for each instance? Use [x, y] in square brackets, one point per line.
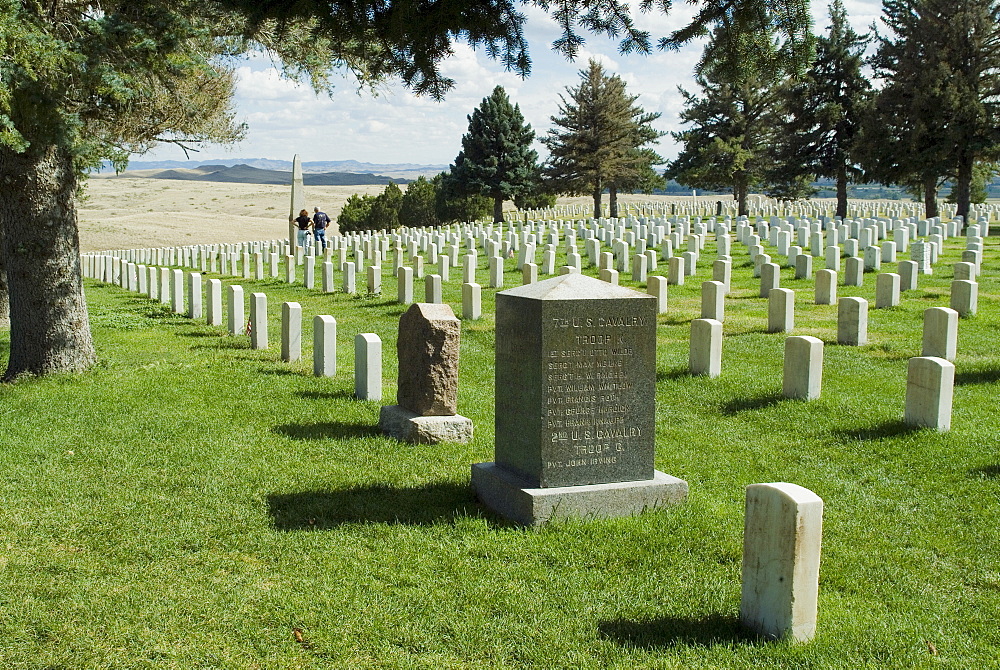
[513, 498]
[404, 425]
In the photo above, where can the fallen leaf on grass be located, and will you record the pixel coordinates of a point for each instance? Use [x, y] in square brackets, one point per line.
[297, 632]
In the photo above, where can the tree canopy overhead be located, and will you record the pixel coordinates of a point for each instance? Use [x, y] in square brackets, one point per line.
[82, 82]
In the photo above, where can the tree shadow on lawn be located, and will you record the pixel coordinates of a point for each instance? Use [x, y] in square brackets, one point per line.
[985, 472]
[706, 631]
[878, 431]
[982, 376]
[324, 395]
[376, 503]
[326, 431]
[225, 342]
[676, 372]
[738, 405]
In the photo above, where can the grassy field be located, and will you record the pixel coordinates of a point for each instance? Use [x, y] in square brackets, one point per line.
[192, 503]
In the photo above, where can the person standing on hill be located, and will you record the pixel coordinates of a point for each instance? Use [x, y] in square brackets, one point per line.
[304, 223]
[320, 223]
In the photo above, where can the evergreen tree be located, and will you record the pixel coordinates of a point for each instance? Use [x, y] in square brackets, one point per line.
[354, 215]
[736, 122]
[496, 159]
[597, 138]
[938, 113]
[824, 111]
[417, 208]
[384, 212]
[81, 82]
[982, 174]
[451, 206]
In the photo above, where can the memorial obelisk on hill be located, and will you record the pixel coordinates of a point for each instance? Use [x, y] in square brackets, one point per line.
[298, 199]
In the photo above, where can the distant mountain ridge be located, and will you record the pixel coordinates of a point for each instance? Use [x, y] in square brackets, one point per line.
[246, 174]
[401, 170]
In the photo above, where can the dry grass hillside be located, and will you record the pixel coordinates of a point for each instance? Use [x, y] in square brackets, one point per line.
[132, 213]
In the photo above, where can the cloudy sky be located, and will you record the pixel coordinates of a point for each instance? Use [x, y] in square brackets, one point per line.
[395, 126]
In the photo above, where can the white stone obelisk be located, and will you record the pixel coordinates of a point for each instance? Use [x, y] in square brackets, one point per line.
[298, 200]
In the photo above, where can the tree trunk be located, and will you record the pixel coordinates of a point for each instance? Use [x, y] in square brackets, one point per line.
[842, 191]
[597, 200]
[4, 300]
[613, 201]
[930, 196]
[963, 185]
[498, 209]
[740, 195]
[50, 329]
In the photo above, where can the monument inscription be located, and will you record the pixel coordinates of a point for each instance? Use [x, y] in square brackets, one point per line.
[575, 366]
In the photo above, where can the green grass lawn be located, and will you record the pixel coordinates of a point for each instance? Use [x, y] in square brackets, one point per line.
[192, 503]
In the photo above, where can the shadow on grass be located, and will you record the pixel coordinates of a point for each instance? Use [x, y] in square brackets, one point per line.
[876, 432]
[986, 376]
[280, 372]
[378, 503]
[225, 342]
[985, 472]
[326, 431]
[678, 372]
[751, 330]
[200, 333]
[324, 395]
[707, 631]
[738, 405]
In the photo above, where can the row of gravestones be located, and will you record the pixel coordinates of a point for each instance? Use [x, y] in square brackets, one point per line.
[708, 206]
[930, 377]
[576, 359]
[889, 285]
[374, 249]
[803, 354]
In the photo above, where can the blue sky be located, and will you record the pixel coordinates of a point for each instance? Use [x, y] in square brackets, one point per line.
[286, 118]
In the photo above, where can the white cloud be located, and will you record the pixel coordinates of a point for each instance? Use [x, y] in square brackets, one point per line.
[285, 117]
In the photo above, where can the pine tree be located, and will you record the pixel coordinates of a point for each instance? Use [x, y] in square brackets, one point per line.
[824, 111]
[938, 113]
[354, 214]
[597, 138]
[417, 207]
[736, 123]
[384, 212]
[451, 206]
[496, 159]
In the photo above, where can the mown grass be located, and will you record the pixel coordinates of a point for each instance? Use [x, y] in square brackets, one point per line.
[192, 503]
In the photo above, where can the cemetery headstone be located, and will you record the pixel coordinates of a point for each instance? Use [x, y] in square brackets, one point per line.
[930, 386]
[575, 404]
[705, 354]
[426, 409]
[782, 535]
[324, 346]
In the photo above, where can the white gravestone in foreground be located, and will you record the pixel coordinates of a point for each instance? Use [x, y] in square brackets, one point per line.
[782, 535]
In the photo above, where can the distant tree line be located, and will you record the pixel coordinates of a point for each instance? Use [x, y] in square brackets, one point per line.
[760, 121]
[774, 111]
[423, 203]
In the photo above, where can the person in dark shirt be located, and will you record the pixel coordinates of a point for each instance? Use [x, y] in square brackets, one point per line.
[304, 223]
[320, 223]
